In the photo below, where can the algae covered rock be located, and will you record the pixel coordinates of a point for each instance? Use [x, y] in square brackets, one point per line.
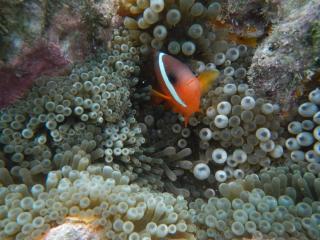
[289, 56]
[20, 21]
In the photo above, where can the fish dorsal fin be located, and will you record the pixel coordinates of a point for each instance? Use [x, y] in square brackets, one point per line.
[207, 78]
[167, 81]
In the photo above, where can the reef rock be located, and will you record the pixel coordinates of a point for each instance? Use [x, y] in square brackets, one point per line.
[289, 57]
[20, 22]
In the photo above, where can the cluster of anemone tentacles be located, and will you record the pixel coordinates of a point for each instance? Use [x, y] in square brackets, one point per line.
[115, 170]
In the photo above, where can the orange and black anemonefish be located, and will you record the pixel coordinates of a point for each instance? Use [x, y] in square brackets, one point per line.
[177, 86]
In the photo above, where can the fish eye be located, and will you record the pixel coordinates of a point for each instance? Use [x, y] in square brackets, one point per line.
[172, 78]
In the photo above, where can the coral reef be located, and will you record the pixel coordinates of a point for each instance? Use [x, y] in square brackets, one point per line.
[84, 154]
[298, 184]
[18, 77]
[236, 134]
[177, 27]
[251, 18]
[69, 31]
[256, 214]
[86, 112]
[289, 57]
[46, 33]
[77, 27]
[20, 22]
[100, 198]
[303, 146]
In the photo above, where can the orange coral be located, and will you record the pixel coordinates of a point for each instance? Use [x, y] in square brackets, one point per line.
[247, 37]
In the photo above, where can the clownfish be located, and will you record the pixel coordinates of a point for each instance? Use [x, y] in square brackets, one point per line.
[178, 86]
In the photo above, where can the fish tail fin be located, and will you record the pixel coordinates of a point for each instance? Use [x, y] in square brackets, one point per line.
[206, 79]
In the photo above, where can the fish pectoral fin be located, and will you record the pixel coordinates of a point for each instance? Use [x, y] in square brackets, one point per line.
[159, 94]
[207, 78]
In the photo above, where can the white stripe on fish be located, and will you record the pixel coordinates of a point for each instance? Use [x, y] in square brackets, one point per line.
[167, 81]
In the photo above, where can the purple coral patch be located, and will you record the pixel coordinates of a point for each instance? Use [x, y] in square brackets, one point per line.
[17, 78]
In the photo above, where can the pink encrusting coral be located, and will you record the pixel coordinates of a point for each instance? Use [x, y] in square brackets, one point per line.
[80, 34]
[17, 77]
[70, 33]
